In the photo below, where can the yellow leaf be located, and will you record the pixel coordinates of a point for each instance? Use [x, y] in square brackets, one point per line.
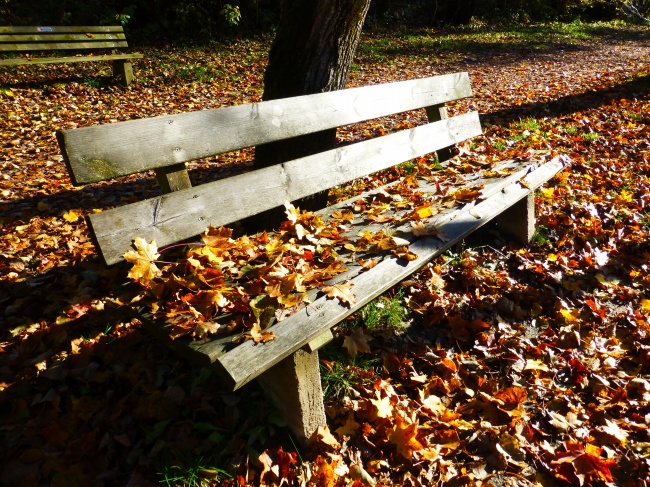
[383, 406]
[71, 216]
[645, 305]
[424, 211]
[548, 193]
[404, 436]
[624, 197]
[143, 260]
[570, 316]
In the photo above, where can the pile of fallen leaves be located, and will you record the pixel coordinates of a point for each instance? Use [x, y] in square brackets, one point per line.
[522, 365]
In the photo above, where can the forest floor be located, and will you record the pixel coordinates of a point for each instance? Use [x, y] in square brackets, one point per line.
[513, 365]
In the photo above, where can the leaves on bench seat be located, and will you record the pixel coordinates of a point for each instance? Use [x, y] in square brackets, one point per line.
[244, 285]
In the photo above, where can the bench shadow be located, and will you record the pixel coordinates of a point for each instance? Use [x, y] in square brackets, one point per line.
[571, 103]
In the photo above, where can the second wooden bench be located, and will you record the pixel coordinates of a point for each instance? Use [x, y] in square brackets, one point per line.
[25, 40]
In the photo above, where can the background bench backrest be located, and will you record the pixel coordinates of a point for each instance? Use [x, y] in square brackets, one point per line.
[165, 143]
[16, 39]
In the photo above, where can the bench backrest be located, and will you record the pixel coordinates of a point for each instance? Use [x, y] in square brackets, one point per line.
[16, 39]
[165, 143]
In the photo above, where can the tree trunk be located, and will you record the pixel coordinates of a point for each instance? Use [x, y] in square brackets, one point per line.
[311, 53]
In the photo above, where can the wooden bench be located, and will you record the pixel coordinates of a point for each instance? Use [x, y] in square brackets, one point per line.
[15, 40]
[288, 366]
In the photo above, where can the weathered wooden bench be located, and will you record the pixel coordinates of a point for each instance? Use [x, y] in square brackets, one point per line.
[288, 366]
[14, 40]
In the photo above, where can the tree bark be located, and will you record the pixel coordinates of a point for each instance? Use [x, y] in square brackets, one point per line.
[311, 53]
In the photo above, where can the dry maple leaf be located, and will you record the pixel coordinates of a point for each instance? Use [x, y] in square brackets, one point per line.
[383, 406]
[258, 335]
[143, 259]
[404, 436]
[350, 428]
[357, 342]
[323, 435]
[343, 292]
[205, 328]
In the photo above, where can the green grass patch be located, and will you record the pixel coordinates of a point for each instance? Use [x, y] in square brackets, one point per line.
[383, 314]
[192, 472]
[341, 374]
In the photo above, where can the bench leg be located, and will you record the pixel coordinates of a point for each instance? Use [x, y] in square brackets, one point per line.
[295, 388]
[519, 219]
[123, 70]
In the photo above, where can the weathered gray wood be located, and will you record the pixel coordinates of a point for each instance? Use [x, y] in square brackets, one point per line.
[91, 153]
[182, 214]
[294, 386]
[248, 360]
[173, 178]
[61, 46]
[49, 38]
[519, 219]
[60, 29]
[435, 113]
[319, 342]
[70, 59]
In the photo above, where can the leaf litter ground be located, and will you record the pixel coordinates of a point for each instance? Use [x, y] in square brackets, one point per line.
[521, 365]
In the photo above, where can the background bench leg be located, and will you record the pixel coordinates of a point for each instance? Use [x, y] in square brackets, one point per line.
[295, 388]
[124, 71]
[519, 220]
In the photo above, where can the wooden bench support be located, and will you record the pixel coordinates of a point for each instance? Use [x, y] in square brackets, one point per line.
[295, 388]
[123, 71]
[519, 220]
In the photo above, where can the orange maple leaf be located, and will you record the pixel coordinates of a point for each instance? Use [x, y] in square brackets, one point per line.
[143, 260]
[404, 436]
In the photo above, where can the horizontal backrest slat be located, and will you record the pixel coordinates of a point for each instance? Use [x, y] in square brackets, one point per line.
[108, 151]
[60, 29]
[48, 38]
[182, 214]
[54, 46]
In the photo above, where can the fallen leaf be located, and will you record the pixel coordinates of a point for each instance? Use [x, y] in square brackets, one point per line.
[356, 342]
[143, 260]
[342, 292]
[404, 436]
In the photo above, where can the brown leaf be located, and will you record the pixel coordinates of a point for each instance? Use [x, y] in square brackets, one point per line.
[357, 342]
[342, 292]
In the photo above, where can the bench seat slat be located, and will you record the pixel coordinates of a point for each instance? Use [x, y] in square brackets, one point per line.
[247, 361]
[182, 214]
[58, 46]
[92, 155]
[70, 59]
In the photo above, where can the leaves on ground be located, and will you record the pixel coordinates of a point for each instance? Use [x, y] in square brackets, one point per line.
[523, 365]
